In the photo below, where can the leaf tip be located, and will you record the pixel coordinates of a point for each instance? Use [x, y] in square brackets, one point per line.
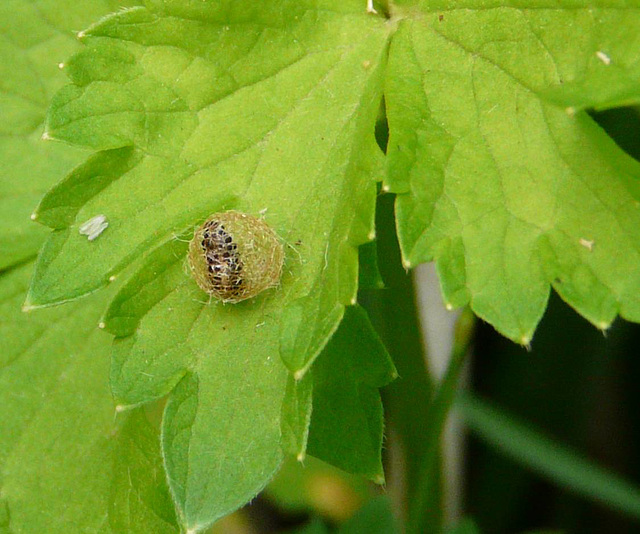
[525, 341]
[300, 457]
[102, 325]
[571, 111]
[386, 188]
[372, 235]
[370, 8]
[124, 407]
[353, 301]
[61, 65]
[406, 264]
[378, 479]
[46, 136]
[299, 374]
[81, 34]
[603, 326]
[33, 216]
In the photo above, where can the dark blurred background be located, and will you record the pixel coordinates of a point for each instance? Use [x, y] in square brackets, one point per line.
[576, 386]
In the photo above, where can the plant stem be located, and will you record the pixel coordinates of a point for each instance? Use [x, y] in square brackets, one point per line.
[422, 519]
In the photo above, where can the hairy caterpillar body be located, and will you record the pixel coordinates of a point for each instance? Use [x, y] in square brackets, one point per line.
[234, 256]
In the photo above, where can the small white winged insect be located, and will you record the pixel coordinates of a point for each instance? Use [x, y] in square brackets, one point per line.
[94, 227]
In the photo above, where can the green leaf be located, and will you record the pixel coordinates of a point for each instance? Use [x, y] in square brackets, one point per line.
[4, 517]
[168, 80]
[139, 483]
[65, 458]
[35, 39]
[347, 418]
[298, 400]
[506, 189]
[194, 108]
[296, 415]
[221, 436]
[68, 462]
[210, 470]
[221, 431]
[547, 457]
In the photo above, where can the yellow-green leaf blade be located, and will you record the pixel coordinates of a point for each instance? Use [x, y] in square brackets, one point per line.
[504, 188]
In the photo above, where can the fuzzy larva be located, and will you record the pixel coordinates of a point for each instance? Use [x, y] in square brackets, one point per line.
[234, 256]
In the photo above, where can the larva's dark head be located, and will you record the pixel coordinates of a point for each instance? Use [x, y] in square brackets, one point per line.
[234, 256]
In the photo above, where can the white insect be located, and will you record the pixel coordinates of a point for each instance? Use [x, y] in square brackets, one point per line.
[603, 57]
[587, 243]
[94, 227]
